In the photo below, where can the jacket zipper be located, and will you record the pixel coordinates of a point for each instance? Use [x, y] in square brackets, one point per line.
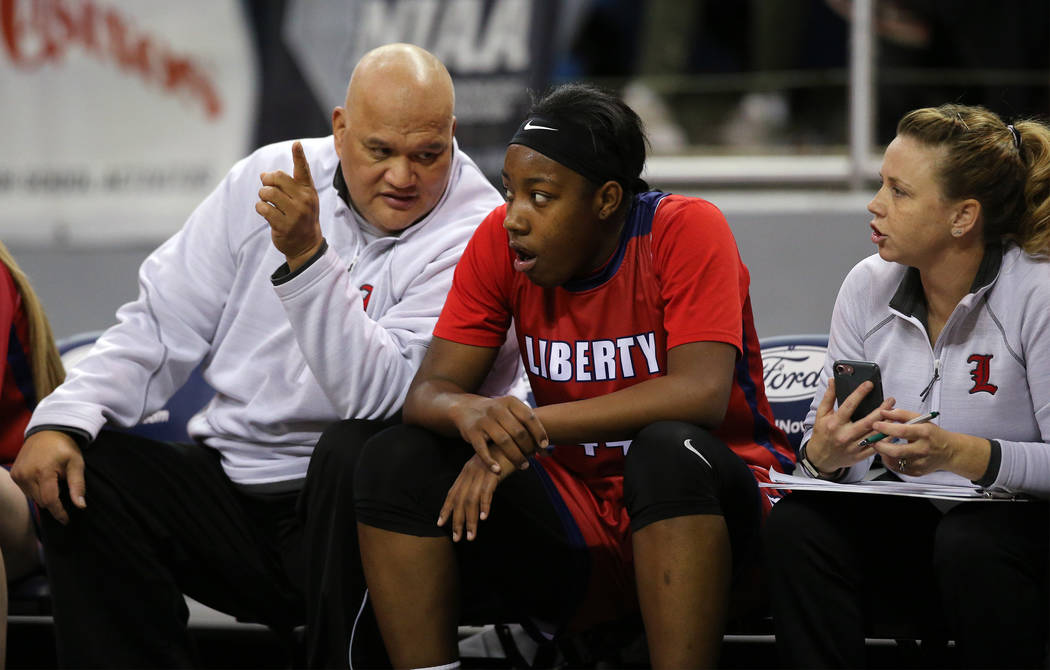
[925, 393]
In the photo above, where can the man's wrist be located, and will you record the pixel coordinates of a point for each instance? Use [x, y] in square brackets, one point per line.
[286, 273]
[307, 256]
[78, 435]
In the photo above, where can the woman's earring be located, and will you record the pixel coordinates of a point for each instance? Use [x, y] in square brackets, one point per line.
[957, 232]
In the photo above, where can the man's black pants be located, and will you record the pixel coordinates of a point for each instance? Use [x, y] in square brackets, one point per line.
[163, 520]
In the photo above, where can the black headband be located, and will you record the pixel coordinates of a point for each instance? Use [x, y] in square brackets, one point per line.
[574, 146]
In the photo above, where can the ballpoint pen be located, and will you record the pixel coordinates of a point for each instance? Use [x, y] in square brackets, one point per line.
[868, 441]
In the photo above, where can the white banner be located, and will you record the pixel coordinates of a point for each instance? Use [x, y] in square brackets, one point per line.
[118, 116]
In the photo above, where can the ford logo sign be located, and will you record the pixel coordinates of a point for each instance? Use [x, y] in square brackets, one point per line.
[791, 372]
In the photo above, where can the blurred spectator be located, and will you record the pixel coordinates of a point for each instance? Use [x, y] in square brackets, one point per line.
[658, 51]
[961, 50]
[775, 72]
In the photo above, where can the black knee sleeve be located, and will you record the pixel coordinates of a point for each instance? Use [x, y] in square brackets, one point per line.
[402, 477]
[677, 469]
[341, 443]
[328, 492]
[334, 458]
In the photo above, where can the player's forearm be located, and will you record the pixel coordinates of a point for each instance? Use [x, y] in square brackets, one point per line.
[620, 415]
[431, 403]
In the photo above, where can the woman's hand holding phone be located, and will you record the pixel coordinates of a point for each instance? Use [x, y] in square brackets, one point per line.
[835, 442]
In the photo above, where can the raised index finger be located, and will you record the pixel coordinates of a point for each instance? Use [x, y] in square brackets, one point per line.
[300, 166]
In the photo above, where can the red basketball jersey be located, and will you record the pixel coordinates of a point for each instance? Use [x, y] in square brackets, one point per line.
[17, 392]
[676, 277]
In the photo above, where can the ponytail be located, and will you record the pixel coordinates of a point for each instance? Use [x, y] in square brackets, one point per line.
[1033, 233]
[45, 361]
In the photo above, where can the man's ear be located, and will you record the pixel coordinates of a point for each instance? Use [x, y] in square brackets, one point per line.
[607, 199]
[338, 129]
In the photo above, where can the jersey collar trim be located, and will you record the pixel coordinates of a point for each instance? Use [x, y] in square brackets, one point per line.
[639, 222]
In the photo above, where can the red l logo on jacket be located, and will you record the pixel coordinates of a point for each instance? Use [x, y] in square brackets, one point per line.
[981, 372]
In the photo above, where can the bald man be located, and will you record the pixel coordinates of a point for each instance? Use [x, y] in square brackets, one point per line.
[306, 285]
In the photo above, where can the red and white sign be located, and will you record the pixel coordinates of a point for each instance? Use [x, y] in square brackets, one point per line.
[119, 116]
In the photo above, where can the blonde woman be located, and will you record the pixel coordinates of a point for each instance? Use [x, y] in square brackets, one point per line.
[30, 368]
[955, 309]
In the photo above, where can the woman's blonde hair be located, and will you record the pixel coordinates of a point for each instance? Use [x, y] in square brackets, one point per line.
[46, 363]
[1004, 167]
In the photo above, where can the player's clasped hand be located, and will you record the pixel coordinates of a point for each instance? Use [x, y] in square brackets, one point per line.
[835, 442]
[506, 425]
[290, 205]
[469, 501]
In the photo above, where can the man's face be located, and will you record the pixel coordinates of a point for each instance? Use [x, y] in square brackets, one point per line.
[395, 157]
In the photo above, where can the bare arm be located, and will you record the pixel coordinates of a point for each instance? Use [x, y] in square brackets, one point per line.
[696, 389]
[441, 398]
[449, 369]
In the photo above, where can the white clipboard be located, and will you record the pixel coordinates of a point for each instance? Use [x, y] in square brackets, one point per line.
[891, 488]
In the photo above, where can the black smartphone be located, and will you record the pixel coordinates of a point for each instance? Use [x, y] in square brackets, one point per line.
[851, 374]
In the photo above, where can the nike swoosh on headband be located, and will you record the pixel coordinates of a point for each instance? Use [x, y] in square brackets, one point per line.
[529, 126]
